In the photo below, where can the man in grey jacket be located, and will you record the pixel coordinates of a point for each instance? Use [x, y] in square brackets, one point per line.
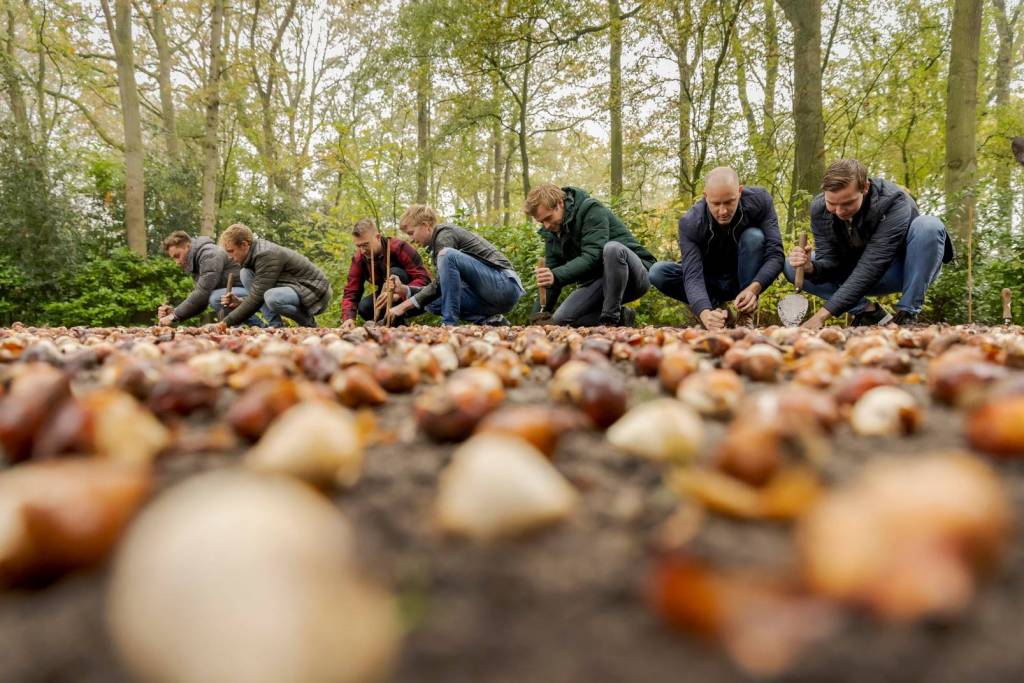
[869, 240]
[279, 281]
[475, 282]
[209, 267]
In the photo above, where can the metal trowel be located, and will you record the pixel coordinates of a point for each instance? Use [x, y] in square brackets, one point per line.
[793, 307]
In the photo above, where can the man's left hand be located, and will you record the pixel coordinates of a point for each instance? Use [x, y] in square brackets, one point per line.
[166, 319]
[816, 321]
[746, 301]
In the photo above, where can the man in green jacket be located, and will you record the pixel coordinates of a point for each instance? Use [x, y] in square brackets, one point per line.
[585, 243]
[280, 282]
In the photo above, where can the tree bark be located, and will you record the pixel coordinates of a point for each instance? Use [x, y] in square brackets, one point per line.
[615, 97]
[211, 161]
[163, 53]
[422, 129]
[119, 26]
[524, 98]
[961, 114]
[808, 120]
[1006, 30]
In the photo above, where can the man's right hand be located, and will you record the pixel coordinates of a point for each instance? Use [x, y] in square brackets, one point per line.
[801, 256]
[230, 301]
[545, 278]
[713, 319]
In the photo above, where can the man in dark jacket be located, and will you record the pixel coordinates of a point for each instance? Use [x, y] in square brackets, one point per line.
[731, 251]
[209, 267]
[370, 264]
[475, 282]
[869, 239]
[280, 282]
[585, 243]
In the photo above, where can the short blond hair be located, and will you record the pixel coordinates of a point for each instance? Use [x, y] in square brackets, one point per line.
[416, 214]
[547, 195]
[236, 234]
[364, 226]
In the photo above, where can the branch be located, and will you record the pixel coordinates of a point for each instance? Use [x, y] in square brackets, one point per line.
[87, 113]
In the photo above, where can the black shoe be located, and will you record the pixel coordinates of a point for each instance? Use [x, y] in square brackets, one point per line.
[627, 317]
[902, 318]
[497, 321]
[871, 316]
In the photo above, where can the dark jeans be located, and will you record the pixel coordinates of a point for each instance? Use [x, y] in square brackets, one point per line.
[911, 275]
[668, 276]
[472, 290]
[280, 301]
[241, 293]
[365, 307]
[624, 279]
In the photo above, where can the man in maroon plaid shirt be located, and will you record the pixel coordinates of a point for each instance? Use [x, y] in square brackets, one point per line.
[407, 272]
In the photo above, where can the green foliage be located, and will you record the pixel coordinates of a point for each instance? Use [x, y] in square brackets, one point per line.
[118, 288]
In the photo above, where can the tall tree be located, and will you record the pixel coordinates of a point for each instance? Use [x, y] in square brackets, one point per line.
[808, 120]
[962, 114]
[1006, 59]
[615, 96]
[211, 161]
[156, 23]
[119, 26]
[422, 128]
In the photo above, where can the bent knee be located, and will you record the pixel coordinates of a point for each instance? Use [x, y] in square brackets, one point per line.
[929, 225]
[614, 249]
[752, 237]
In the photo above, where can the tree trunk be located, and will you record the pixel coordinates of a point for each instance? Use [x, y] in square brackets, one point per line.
[506, 215]
[163, 53]
[422, 130]
[119, 25]
[1005, 28]
[524, 99]
[684, 158]
[808, 120]
[615, 97]
[961, 113]
[210, 148]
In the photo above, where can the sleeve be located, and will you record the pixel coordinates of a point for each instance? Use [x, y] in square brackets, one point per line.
[773, 254]
[693, 269]
[552, 260]
[353, 290]
[210, 270]
[411, 262]
[826, 259]
[878, 255]
[594, 237]
[266, 271]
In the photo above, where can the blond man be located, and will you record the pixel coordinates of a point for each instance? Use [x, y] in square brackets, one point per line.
[586, 244]
[279, 281]
[209, 267]
[475, 282]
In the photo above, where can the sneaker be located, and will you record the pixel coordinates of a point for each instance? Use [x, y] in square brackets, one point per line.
[497, 321]
[871, 316]
[627, 317]
[902, 318]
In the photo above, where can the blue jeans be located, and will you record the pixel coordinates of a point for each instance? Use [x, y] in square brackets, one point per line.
[911, 274]
[668, 276]
[280, 301]
[241, 293]
[471, 290]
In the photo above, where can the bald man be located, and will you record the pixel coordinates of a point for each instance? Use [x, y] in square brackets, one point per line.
[731, 251]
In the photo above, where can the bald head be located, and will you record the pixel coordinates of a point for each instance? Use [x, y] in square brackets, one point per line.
[722, 192]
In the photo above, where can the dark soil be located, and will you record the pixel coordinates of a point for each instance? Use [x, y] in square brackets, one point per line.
[566, 604]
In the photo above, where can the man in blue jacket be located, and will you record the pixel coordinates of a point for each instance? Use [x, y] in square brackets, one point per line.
[731, 250]
[869, 239]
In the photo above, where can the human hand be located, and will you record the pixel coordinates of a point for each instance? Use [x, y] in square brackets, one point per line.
[545, 278]
[166, 319]
[816, 321]
[801, 256]
[746, 301]
[713, 319]
[229, 300]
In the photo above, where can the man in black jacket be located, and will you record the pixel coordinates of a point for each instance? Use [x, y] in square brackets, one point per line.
[731, 250]
[209, 267]
[475, 282]
[869, 239]
[280, 282]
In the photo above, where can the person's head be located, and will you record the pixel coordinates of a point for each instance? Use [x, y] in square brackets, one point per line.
[722, 192]
[366, 237]
[546, 204]
[177, 246]
[845, 184]
[418, 222]
[237, 240]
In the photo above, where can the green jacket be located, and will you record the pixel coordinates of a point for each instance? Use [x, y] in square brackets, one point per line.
[575, 252]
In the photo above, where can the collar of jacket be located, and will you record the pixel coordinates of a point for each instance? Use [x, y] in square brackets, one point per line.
[257, 245]
[433, 236]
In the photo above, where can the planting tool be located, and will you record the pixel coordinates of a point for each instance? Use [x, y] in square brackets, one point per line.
[793, 307]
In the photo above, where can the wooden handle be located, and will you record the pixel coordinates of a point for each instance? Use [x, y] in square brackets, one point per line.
[542, 292]
[1006, 304]
[799, 279]
[231, 282]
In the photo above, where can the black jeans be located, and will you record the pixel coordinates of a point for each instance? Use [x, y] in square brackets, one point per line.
[365, 307]
[624, 279]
